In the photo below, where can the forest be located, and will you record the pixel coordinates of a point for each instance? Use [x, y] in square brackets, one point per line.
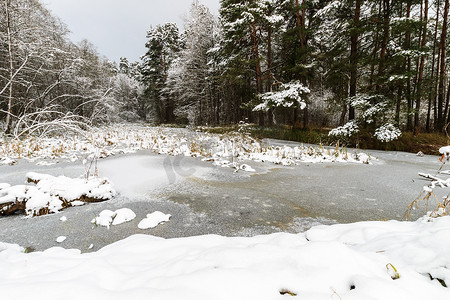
[376, 65]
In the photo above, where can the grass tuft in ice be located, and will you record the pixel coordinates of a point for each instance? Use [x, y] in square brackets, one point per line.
[287, 292]
[428, 193]
[392, 271]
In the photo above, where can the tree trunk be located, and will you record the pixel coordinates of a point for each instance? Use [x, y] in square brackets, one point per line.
[432, 89]
[400, 87]
[421, 66]
[354, 56]
[269, 59]
[300, 22]
[398, 105]
[446, 110]
[409, 122]
[269, 69]
[11, 67]
[442, 68]
[375, 49]
[384, 40]
[259, 87]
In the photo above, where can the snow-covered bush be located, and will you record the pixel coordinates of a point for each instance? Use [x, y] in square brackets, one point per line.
[290, 95]
[387, 133]
[347, 130]
[371, 109]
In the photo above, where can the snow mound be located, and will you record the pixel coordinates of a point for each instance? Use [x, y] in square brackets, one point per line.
[351, 261]
[108, 217]
[51, 194]
[154, 219]
[105, 218]
[123, 215]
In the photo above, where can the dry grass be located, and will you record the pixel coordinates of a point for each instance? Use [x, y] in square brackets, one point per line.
[442, 207]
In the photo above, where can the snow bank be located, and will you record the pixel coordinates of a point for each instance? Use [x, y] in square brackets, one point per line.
[353, 261]
[423, 246]
[51, 194]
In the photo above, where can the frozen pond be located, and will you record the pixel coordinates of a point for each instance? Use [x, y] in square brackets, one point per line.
[206, 199]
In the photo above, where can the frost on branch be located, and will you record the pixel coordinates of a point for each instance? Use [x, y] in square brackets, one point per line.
[290, 95]
[50, 194]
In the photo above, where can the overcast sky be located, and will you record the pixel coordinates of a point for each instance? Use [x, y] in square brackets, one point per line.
[118, 27]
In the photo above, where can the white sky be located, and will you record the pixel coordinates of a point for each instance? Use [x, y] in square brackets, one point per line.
[118, 27]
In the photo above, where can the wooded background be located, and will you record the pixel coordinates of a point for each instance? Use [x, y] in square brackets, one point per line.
[372, 63]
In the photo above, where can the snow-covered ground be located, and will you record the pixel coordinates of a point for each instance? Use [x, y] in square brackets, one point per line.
[352, 261]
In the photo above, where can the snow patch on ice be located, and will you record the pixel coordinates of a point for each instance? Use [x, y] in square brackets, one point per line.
[108, 217]
[61, 239]
[123, 215]
[154, 219]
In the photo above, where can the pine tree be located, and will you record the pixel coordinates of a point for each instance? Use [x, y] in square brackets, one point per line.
[189, 85]
[163, 45]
